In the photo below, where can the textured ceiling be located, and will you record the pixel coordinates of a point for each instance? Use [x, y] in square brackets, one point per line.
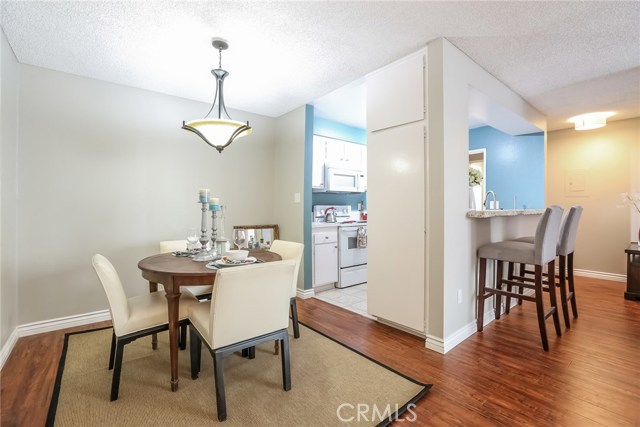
[565, 58]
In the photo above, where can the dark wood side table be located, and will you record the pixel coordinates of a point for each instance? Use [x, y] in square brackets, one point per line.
[633, 272]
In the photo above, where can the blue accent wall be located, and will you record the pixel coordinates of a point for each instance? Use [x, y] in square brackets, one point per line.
[307, 207]
[515, 166]
[336, 130]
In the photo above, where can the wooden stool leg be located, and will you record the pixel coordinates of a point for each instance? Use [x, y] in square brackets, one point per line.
[572, 291]
[521, 289]
[552, 297]
[481, 286]
[498, 285]
[540, 307]
[562, 284]
[507, 306]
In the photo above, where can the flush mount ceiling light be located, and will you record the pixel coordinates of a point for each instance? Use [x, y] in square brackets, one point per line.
[218, 132]
[591, 120]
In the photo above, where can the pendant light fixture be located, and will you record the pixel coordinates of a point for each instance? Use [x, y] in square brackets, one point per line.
[218, 132]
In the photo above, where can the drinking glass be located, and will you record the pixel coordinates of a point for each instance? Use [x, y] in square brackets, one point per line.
[239, 237]
[192, 238]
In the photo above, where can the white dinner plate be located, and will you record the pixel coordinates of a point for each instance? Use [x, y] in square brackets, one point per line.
[223, 262]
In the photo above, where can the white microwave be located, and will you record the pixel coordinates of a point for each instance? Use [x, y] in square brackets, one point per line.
[339, 180]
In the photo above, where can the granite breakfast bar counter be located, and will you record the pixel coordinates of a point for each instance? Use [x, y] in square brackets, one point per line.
[493, 213]
[502, 224]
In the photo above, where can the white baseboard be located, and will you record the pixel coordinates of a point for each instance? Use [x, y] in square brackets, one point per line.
[48, 326]
[63, 323]
[305, 293]
[600, 275]
[8, 347]
[443, 346]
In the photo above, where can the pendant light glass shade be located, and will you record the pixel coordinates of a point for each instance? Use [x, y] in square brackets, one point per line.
[218, 132]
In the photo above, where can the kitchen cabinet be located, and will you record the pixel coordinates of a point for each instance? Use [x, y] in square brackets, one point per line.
[339, 153]
[325, 256]
[346, 153]
[317, 164]
[396, 95]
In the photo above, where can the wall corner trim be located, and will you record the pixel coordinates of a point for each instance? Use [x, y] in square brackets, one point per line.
[305, 293]
[8, 347]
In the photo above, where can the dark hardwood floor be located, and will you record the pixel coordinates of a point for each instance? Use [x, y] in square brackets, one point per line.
[500, 377]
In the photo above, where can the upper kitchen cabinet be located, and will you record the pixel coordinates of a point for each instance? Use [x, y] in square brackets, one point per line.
[396, 95]
[330, 154]
[347, 154]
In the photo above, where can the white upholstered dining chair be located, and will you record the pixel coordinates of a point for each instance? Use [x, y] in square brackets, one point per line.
[133, 317]
[248, 307]
[291, 251]
[200, 292]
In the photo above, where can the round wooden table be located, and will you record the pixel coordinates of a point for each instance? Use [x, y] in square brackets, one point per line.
[173, 272]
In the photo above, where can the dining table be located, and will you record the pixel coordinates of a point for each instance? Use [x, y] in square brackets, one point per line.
[175, 271]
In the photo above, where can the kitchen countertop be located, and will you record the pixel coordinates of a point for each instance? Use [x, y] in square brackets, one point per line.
[334, 224]
[503, 212]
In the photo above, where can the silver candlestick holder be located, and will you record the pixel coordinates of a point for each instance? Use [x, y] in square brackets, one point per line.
[214, 233]
[204, 254]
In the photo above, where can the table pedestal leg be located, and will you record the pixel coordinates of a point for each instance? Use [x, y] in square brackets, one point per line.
[153, 287]
[173, 299]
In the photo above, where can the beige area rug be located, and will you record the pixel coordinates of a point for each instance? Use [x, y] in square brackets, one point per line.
[332, 385]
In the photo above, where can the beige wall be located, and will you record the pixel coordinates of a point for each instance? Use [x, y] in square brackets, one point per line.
[289, 178]
[609, 158]
[107, 168]
[8, 155]
[453, 238]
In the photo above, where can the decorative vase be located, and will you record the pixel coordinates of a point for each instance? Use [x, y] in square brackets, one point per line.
[472, 200]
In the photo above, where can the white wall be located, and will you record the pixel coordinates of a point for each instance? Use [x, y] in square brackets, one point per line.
[8, 154]
[289, 178]
[107, 168]
[453, 238]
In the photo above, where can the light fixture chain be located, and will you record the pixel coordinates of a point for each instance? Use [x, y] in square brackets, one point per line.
[220, 58]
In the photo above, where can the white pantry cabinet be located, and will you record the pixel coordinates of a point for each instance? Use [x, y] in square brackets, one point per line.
[396, 95]
[396, 287]
[396, 146]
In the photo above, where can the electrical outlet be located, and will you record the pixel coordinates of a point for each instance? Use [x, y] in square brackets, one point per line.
[459, 296]
[296, 197]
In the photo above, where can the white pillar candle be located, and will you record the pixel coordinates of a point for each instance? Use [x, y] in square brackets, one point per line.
[204, 195]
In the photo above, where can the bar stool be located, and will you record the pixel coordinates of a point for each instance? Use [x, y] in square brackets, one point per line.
[542, 253]
[565, 249]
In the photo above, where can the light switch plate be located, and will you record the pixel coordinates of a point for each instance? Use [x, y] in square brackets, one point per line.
[296, 197]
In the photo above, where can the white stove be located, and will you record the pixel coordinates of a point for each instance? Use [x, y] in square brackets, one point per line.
[352, 243]
[343, 212]
[352, 253]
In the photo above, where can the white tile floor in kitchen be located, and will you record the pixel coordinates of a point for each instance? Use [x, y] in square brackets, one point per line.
[353, 298]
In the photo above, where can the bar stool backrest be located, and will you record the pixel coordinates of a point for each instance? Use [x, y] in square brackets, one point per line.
[569, 231]
[547, 233]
